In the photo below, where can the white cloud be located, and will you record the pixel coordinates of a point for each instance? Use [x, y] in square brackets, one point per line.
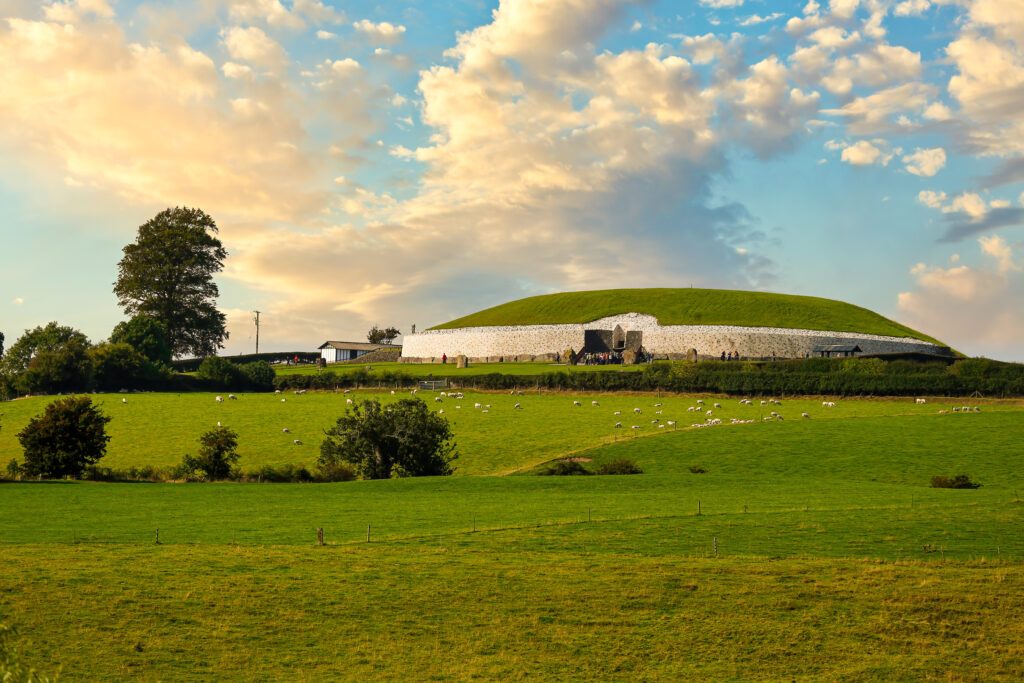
[325, 35]
[703, 49]
[384, 31]
[925, 162]
[877, 66]
[937, 111]
[931, 199]
[878, 112]
[722, 4]
[911, 8]
[254, 46]
[755, 19]
[71, 11]
[18, 301]
[971, 307]
[865, 152]
[275, 13]
[969, 203]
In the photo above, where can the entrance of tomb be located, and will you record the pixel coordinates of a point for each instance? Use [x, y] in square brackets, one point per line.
[618, 339]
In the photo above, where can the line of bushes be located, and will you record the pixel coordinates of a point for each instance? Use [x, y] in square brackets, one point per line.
[815, 376]
[192, 364]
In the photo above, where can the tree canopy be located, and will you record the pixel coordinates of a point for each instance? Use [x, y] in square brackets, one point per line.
[167, 275]
[69, 436]
[401, 439]
[385, 336]
[50, 358]
[146, 335]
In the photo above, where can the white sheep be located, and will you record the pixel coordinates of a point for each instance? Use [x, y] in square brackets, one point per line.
[920, 401]
[219, 399]
[764, 403]
[671, 423]
[700, 401]
[657, 405]
[348, 401]
[618, 425]
[440, 411]
[618, 412]
[232, 397]
[286, 431]
[636, 410]
[124, 400]
[635, 427]
[437, 399]
[708, 413]
[297, 442]
[517, 406]
[718, 405]
[278, 391]
[577, 404]
[804, 415]
[595, 403]
[283, 400]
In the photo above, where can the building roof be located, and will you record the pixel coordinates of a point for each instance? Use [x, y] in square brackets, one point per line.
[837, 348]
[357, 346]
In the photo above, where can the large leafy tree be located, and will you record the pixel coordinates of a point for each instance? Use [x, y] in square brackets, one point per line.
[69, 436]
[49, 358]
[146, 335]
[402, 439]
[167, 274]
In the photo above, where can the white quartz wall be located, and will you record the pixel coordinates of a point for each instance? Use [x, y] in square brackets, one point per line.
[709, 340]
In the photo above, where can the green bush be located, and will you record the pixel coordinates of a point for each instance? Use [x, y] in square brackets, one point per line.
[960, 481]
[218, 453]
[335, 470]
[619, 466]
[282, 474]
[120, 366]
[69, 436]
[564, 468]
[221, 373]
[146, 335]
[258, 375]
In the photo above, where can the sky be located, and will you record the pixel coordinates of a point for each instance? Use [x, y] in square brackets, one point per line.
[401, 163]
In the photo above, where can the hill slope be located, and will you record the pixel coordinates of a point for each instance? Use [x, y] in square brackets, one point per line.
[690, 307]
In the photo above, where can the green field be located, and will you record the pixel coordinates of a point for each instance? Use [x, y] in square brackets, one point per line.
[689, 307]
[828, 538]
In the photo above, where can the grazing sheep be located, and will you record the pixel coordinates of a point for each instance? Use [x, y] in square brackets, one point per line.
[286, 431]
[348, 401]
[392, 392]
[718, 405]
[658, 412]
[440, 411]
[437, 399]
[618, 412]
[691, 409]
[636, 410]
[774, 414]
[296, 442]
[278, 391]
[654, 421]
[977, 409]
[595, 403]
[700, 401]
[671, 423]
[618, 425]
[283, 400]
[485, 410]
[232, 397]
[219, 424]
[219, 399]
[577, 404]
[708, 413]
[124, 400]
[804, 415]
[764, 403]
[657, 405]
[443, 393]
[477, 405]
[348, 390]
[517, 407]
[661, 426]
[920, 401]
[487, 405]
[635, 427]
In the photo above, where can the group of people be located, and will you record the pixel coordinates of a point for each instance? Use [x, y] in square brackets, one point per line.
[732, 355]
[606, 358]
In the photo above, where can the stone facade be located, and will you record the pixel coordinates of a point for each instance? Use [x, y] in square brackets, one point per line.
[490, 344]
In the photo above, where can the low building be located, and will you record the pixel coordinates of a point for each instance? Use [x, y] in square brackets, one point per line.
[335, 351]
[837, 350]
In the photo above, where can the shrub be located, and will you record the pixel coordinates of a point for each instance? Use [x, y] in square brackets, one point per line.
[697, 469]
[64, 368]
[119, 366]
[960, 481]
[564, 468]
[281, 474]
[619, 466]
[217, 455]
[334, 470]
[69, 436]
[258, 375]
[13, 469]
[221, 373]
[402, 439]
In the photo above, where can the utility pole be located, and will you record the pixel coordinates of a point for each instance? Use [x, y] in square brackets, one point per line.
[256, 318]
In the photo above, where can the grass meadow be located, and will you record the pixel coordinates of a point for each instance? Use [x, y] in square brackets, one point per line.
[807, 549]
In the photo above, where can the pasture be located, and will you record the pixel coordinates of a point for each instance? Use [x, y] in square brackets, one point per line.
[800, 536]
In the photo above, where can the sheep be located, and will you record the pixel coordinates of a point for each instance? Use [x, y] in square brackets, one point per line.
[232, 397]
[657, 405]
[920, 401]
[636, 410]
[708, 413]
[283, 400]
[618, 425]
[442, 394]
[654, 421]
[346, 391]
[219, 424]
[124, 400]
[219, 399]
[286, 431]
[595, 404]
[440, 411]
[477, 405]
[764, 403]
[774, 414]
[635, 427]
[487, 405]
[278, 391]
[485, 410]
[458, 407]
[437, 399]
[296, 442]
[517, 406]
[577, 404]
[658, 412]
[661, 426]
[348, 401]
[804, 415]
[956, 409]
[618, 412]
[691, 409]
[392, 392]
[977, 409]
[671, 423]
[700, 401]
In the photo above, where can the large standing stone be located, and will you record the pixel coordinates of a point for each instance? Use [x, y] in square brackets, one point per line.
[461, 362]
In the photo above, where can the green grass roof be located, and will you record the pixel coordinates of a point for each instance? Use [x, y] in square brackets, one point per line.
[690, 307]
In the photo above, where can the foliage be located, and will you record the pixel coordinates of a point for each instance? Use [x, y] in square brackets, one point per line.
[402, 439]
[69, 436]
[385, 336]
[334, 469]
[218, 453]
[66, 368]
[619, 466]
[167, 275]
[13, 470]
[146, 335]
[689, 307]
[282, 474]
[259, 376]
[306, 358]
[1, 344]
[121, 366]
[960, 481]
[564, 468]
[220, 372]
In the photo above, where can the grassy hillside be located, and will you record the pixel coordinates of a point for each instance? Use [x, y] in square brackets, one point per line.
[690, 307]
[158, 429]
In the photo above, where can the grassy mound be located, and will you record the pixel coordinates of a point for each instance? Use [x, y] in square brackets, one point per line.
[690, 307]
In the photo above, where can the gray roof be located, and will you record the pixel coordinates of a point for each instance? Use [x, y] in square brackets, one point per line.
[357, 346]
[837, 348]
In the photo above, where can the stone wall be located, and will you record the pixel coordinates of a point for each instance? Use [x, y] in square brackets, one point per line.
[516, 342]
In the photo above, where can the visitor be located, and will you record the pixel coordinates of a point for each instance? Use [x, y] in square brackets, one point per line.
[444, 358]
[723, 355]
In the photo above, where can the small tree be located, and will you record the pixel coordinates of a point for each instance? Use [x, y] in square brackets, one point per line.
[70, 435]
[120, 366]
[403, 439]
[64, 368]
[259, 375]
[385, 336]
[217, 454]
[221, 371]
[146, 335]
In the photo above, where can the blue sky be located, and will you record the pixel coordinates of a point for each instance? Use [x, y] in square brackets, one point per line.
[409, 162]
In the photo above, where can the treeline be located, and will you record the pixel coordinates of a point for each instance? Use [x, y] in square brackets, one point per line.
[192, 364]
[842, 377]
[57, 359]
